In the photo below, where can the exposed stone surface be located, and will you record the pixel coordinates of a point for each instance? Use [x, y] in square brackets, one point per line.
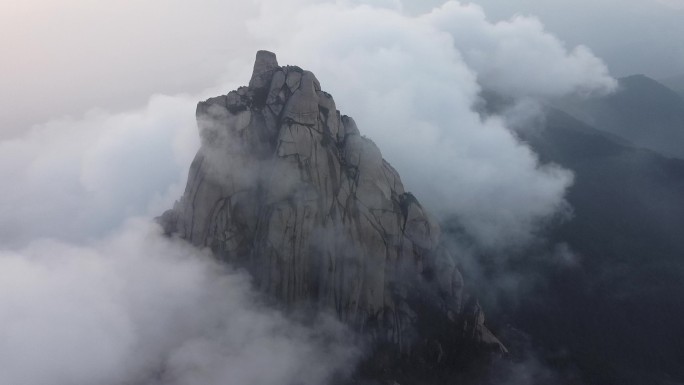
[287, 187]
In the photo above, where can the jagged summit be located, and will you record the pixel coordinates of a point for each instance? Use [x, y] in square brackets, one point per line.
[285, 186]
[264, 65]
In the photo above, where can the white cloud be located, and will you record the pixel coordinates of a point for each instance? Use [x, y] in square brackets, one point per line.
[138, 308]
[518, 57]
[78, 178]
[409, 83]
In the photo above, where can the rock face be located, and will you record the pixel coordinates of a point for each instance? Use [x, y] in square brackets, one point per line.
[288, 188]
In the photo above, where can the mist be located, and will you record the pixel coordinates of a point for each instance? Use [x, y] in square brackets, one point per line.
[97, 295]
[136, 307]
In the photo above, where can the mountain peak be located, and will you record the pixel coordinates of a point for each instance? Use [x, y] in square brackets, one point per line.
[264, 64]
[285, 186]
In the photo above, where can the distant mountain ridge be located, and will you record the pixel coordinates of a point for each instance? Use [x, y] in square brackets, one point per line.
[618, 312]
[642, 111]
[675, 83]
[611, 313]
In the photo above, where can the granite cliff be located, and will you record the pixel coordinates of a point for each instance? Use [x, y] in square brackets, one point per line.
[286, 186]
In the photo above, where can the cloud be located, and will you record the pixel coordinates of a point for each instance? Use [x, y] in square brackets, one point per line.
[79, 178]
[136, 307]
[411, 83]
[517, 57]
[614, 29]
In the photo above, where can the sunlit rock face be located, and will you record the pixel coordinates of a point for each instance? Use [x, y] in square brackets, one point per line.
[285, 186]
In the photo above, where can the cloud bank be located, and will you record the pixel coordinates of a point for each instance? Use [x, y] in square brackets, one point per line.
[137, 308]
[517, 57]
[76, 179]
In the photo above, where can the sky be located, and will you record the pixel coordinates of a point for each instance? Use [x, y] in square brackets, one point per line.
[97, 132]
[64, 58]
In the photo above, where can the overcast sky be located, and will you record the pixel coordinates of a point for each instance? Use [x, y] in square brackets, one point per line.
[63, 58]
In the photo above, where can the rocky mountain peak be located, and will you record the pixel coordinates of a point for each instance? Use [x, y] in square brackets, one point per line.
[285, 186]
[264, 65]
